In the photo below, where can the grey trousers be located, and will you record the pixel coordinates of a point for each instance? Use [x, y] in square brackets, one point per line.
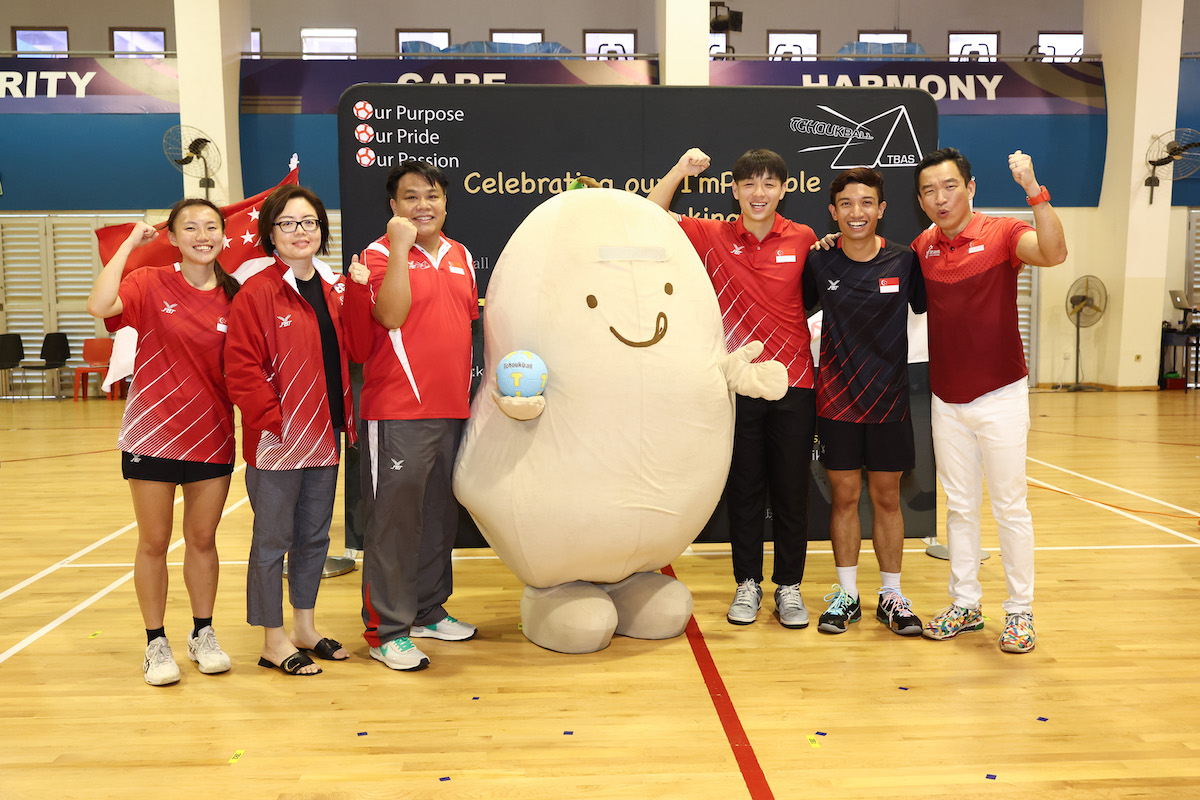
[412, 520]
[293, 509]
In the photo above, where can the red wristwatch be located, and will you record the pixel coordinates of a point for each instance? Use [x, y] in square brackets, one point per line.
[1041, 197]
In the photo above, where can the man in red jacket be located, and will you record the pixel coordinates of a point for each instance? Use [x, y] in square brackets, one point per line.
[409, 311]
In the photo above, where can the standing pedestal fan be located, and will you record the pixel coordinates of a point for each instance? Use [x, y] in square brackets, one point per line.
[1086, 300]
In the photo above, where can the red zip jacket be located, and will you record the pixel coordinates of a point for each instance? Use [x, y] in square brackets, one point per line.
[275, 374]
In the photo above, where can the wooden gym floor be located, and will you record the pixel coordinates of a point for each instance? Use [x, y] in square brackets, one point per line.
[1105, 707]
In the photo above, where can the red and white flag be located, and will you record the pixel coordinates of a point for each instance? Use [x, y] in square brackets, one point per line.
[241, 256]
[241, 236]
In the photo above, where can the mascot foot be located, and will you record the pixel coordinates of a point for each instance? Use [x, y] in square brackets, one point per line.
[575, 617]
[650, 605]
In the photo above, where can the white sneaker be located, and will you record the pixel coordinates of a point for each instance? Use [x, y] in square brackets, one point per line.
[160, 667]
[746, 602]
[400, 654]
[790, 607]
[204, 650]
[448, 630]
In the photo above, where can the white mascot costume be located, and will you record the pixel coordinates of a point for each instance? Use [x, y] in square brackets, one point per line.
[588, 489]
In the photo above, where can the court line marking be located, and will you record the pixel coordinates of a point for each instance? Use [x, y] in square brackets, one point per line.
[1114, 486]
[811, 551]
[50, 626]
[68, 561]
[1120, 512]
[735, 734]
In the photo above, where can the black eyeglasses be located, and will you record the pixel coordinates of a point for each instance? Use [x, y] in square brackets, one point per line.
[289, 225]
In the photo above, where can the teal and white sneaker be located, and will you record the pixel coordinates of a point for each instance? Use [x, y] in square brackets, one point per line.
[950, 622]
[843, 609]
[400, 654]
[895, 611]
[448, 630]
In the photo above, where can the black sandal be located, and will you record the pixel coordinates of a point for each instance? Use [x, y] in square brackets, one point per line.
[325, 649]
[291, 665]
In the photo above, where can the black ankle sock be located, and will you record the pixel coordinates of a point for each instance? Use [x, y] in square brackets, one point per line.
[151, 635]
[198, 623]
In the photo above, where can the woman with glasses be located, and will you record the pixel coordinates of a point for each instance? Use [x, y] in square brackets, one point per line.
[286, 369]
[177, 429]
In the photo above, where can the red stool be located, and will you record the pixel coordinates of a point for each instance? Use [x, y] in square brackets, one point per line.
[96, 353]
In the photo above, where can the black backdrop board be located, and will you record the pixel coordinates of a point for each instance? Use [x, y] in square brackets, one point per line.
[507, 149]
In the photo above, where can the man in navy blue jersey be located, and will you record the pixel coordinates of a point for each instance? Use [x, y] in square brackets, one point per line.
[865, 286]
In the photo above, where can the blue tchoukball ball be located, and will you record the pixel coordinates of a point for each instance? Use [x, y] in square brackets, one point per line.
[521, 374]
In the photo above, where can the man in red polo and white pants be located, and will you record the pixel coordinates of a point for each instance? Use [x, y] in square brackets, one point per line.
[977, 371]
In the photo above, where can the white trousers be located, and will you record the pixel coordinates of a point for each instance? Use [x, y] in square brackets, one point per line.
[986, 436]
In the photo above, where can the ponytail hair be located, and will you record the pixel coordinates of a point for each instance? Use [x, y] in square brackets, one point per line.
[227, 282]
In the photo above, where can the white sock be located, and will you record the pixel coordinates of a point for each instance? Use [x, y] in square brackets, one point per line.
[891, 580]
[848, 580]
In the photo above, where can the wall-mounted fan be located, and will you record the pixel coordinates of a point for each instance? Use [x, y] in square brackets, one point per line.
[1172, 156]
[193, 153]
[1086, 300]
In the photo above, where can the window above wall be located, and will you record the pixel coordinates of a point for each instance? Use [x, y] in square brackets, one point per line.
[324, 44]
[434, 37]
[973, 45]
[40, 42]
[793, 45]
[517, 35]
[609, 45]
[255, 43]
[138, 42]
[885, 37]
[1060, 45]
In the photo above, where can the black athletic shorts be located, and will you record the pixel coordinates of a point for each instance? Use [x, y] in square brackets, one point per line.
[879, 446]
[168, 470]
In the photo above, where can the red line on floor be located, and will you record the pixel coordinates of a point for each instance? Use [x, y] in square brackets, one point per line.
[743, 751]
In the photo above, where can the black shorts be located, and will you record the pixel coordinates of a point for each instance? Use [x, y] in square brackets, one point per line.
[169, 470]
[878, 446]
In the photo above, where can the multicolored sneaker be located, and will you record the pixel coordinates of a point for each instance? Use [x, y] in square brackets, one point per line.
[895, 611]
[1018, 636]
[843, 609]
[950, 622]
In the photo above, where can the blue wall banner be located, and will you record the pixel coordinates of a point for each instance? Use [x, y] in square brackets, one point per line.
[89, 86]
[289, 86]
[959, 87]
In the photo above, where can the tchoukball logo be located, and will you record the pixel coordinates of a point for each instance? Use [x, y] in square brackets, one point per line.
[364, 133]
[884, 140]
[363, 109]
[365, 156]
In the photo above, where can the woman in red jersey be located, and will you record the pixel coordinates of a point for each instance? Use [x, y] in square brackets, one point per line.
[287, 371]
[178, 423]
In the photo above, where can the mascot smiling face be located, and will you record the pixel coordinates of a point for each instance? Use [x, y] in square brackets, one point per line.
[625, 463]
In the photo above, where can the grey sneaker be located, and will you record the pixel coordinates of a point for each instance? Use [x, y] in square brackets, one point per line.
[159, 667]
[746, 602]
[790, 607]
[204, 650]
[400, 654]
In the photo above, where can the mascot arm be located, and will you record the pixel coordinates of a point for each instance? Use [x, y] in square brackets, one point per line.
[766, 379]
[522, 408]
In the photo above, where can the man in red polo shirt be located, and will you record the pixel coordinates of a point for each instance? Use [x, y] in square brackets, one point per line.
[410, 304]
[755, 262]
[977, 371]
